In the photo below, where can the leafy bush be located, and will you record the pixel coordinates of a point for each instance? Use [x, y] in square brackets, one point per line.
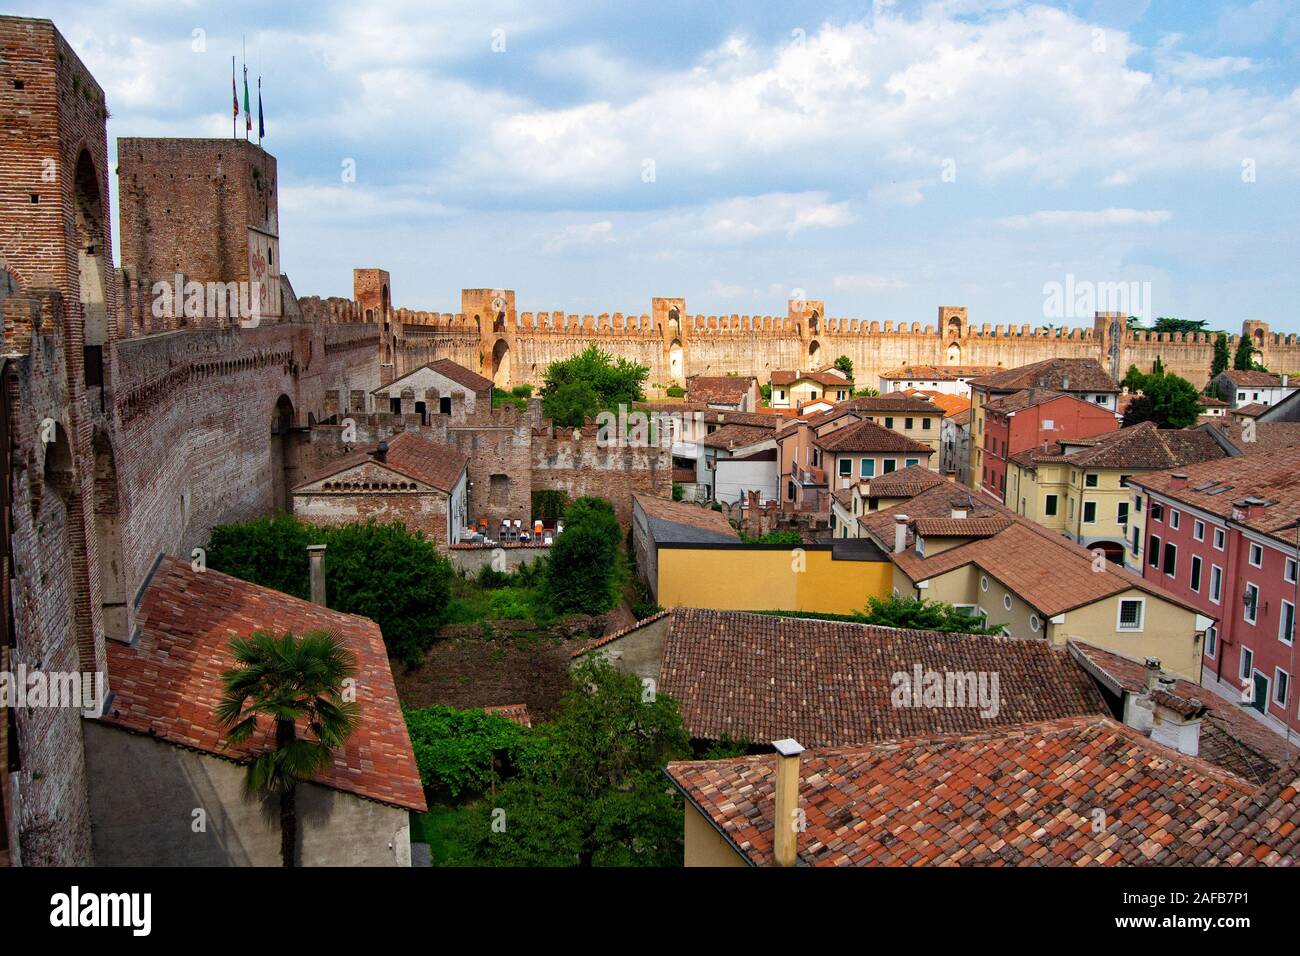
[461, 750]
[790, 538]
[922, 614]
[384, 572]
[581, 571]
[675, 391]
[578, 387]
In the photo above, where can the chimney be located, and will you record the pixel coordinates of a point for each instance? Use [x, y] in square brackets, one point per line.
[1285, 379]
[1152, 673]
[900, 533]
[1177, 481]
[785, 832]
[381, 451]
[316, 556]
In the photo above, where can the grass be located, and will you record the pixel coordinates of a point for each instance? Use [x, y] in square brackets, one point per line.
[491, 597]
[437, 828]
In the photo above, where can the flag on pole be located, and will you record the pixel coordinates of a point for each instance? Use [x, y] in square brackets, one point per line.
[248, 113]
[261, 126]
[234, 97]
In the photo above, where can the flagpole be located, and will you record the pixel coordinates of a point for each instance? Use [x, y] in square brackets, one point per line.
[234, 114]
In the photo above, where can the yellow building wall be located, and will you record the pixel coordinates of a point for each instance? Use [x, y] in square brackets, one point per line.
[769, 580]
[705, 846]
[1168, 632]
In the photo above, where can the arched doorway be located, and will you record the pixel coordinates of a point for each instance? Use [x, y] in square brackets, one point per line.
[954, 354]
[813, 349]
[90, 247]
[284, 455]
[501, 364]
[108, 541]
[1113, 551]
[676, 361]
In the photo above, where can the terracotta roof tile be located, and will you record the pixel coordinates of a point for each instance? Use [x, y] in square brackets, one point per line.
[736, 436]
[167, 684]
[1065, 375]
[1141, 447]
[828, 379]
[939, 373]
[683, 513]
[949, 404]
[409, 454]
[1249, 378]
[719, 389]
[961, 527]
[759, 677]
[445, 367]
[867, 437]
[1020, 797]
[903, 483]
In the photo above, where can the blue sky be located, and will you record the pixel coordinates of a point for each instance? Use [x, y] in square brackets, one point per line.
[885, 157]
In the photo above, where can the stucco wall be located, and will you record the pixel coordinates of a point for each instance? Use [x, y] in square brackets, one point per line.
[144, 794]
[705, 846]
[766, 579]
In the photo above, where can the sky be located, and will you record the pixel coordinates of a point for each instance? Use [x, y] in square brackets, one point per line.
[885, 157]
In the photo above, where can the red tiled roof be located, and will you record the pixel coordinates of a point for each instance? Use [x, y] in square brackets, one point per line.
[869, 437]
[903, 483]
[1267, 436]
[759, 677]
[1027, 796]
[1141, 447]
[1249, 378]
[960, 527]
[719, 389]
[949, 404]
[683, 513]
[1253, 410]
[736, 436]
[828, 379]
[1230, 738]
[449, 369]
[1217, 486]
[1026, 398]
[615, 635]
[1064, 375]
[409, 454]
[1046, 570]
[167, 684]
[1266, 832]
[939, 373]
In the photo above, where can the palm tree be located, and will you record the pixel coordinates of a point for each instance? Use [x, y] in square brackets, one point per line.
[289, 680]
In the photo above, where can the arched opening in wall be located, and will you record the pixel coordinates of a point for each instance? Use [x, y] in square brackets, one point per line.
[813, 322]
[674, 321]
[90, 277]
[1259, 337]
[954, 354]
[108, 541]
[284, 458]
[499, 323]
[58, 474]
[676, 362]
[813, 349]
[501, 364]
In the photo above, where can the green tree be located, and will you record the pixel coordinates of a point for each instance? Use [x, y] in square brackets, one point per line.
[590, 789]
[581, 573]
[461, 750]
[1167, 400]
[922, 614]
[611, 381]
[1158, 366]
[866, 391]
[1168, 324]
[1244, 359]
[385, 572]
[288, 680]
[1134, 379]
[845, 365]
[1222, 356]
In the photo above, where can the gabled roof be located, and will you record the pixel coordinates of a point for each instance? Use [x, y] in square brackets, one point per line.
[447, 368]
[1063, 375]
[869, 437]
[719, 389]
[903, 483]
[1217, 486]
[737, 436]
[1267, 436]
[1230, 738]
[410, 455]
[1250, 378]
[1252, 410]
[1141, 447]
[1025, 796]
[948, 404]
[759, 677]
[1046, 570]
[829, 379]
[684, 522]
[168, 682]
[985, 527]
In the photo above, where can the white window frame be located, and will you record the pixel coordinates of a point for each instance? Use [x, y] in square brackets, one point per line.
[1006, 601]
[1216, 584]
[1273, 690]
[1220, 539]
[1035, 623]
[1289, 571]
[1142, 615]
[1175, 519]
[1212, 641]
[1196, 573]
[1246, 664]
[1281, 623]
[1250, 611]
[1198, 530]
[984, 582]
[1251, 552]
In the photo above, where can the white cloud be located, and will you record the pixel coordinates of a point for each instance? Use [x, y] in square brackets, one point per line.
[580, 235]
[1087, 218]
